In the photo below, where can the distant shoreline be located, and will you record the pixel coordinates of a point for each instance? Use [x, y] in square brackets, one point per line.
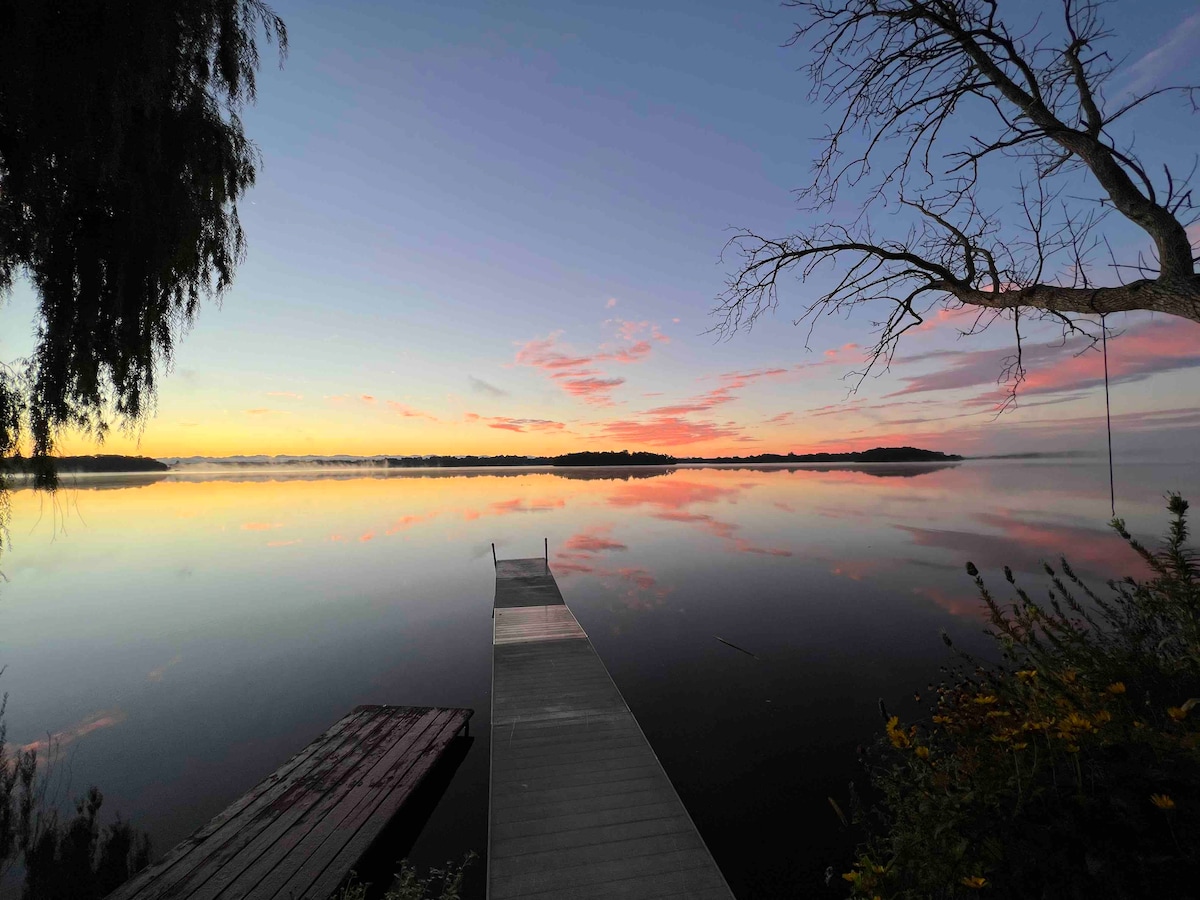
[111, 464]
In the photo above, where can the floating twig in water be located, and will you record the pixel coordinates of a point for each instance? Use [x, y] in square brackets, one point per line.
[734, 646]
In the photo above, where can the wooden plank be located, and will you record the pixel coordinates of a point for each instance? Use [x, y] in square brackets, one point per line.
[181, 866]
[367, 819]
[525, 582]
[579, 804]
[305, 826]
[277, 834]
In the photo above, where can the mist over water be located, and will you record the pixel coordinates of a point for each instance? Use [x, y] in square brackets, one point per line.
[183, 635]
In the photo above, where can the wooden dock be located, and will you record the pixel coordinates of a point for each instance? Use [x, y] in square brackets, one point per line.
[300, 832]
[580, 805]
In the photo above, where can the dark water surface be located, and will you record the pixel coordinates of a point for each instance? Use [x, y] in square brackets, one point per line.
[183, 636]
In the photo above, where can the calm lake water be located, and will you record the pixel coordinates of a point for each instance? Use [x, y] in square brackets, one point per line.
[184, 635]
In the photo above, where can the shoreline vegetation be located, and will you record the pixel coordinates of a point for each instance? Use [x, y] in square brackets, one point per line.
[114, 463]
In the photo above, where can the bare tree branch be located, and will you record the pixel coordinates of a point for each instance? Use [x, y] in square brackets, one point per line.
[899, 72]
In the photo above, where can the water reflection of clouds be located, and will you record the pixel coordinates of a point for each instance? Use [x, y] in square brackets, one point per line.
[582, 552]
[672, 497]
[1025, 546]
[59, 739]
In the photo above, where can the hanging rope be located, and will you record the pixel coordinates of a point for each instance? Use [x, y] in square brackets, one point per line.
[1112, 490]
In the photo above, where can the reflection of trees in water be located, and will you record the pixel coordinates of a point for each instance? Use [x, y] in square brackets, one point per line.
[111, 481]
[879, 470]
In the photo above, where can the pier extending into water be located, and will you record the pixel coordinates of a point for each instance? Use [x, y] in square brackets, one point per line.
[580, 806]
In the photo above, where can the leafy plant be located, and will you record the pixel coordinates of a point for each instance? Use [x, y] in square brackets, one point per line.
[440, 884]
[1073, 769]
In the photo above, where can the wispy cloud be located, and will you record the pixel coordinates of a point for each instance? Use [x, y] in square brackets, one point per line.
[574, 373]
[504, 423]
[408, 412]
[290, 395]
[579, 374]
[1149, 71]
[479, 386]
[1144, 350]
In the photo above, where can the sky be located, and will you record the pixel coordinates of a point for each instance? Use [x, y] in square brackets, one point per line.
[497, 227]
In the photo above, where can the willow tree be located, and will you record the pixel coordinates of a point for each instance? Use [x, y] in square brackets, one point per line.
[932, 103]
[122, 160]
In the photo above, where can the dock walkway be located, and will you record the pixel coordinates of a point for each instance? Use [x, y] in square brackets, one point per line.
[580, 805]
[301, 830]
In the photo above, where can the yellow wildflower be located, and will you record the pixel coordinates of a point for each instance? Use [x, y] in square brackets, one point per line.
[896, 734]
[1076, 722]
[974, 881]
[1102, 718]
[1162, 801]
[984, 699]
[1072, 748]
[923, 752]
[940, 720]
[1176, 713]
[1027, 674]
[1020, 745]
[1069, 676]
[1117, 687]
[852, 877]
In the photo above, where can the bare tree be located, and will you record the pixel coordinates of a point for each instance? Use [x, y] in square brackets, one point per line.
[908, 82]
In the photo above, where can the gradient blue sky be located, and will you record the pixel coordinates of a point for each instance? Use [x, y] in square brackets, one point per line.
[460, 201]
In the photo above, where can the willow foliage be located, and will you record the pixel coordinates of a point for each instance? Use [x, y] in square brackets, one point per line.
[122, 160]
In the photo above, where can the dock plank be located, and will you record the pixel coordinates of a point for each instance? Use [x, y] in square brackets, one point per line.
[306, 825]
[579, 804]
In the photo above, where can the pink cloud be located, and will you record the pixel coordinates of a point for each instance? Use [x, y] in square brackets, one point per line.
[577, 374]
[839, 352]
[665, 431]
[519, 425]
[408, 412]
[589, 388]
[288, 394]
[610, 303]
[670, 425]
[1143, 350]
[261, 526]
[284, 543]
[366, 398]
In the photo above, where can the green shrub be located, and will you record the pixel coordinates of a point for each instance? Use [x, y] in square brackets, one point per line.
[441, 884]
[1073, 769]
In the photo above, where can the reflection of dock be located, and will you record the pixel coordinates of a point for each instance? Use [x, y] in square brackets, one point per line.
[580, 806]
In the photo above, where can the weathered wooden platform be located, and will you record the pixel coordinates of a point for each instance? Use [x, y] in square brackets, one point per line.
[580, 805]
[300, 832]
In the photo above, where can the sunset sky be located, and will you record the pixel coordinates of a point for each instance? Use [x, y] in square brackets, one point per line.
[496, 228]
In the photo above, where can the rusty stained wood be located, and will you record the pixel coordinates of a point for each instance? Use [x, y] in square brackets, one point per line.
[300, 831]
[580, 806]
